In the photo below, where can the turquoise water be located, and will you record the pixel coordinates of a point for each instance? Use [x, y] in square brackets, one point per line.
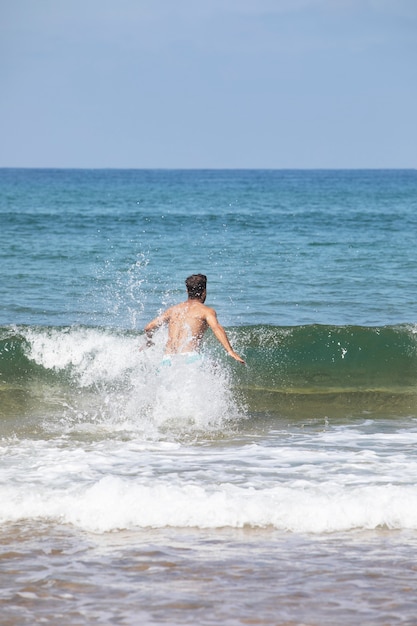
[279, 247]
[282, 492]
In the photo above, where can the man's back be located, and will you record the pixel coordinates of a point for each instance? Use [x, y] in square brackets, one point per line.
[187, 323]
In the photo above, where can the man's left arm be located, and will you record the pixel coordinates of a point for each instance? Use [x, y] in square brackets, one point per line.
[221, 336]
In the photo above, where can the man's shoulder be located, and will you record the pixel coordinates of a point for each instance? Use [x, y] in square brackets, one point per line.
[176, 308]
[208, 310]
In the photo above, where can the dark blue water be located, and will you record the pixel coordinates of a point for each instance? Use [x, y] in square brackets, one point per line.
[279, 247]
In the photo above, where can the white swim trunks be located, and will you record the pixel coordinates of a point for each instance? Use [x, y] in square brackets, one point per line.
[181, 357]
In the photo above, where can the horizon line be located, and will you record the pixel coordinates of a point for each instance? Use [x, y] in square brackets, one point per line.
[207, 169]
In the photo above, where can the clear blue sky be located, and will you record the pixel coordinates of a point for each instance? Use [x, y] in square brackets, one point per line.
[208, 83]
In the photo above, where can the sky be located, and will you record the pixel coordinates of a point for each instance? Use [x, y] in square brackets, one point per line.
[208, 83]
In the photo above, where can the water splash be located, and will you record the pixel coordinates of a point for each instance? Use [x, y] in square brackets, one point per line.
[106, 381]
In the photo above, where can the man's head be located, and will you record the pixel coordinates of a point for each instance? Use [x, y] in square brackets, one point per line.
[196, 286]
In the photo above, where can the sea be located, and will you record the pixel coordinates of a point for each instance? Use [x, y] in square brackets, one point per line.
[281, 492]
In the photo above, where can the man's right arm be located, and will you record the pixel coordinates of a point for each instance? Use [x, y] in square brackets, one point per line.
[154, 325]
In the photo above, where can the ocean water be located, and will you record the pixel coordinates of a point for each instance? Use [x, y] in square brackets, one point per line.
[281, 492]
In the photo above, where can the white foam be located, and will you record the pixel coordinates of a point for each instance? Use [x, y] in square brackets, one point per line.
[115, 484]
[121, 386]
[92, 356]
[114, 503]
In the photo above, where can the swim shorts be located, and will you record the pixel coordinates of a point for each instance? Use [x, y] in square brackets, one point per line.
[181, 357]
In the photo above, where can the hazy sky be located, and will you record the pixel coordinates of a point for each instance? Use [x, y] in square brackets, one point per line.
[208, 83]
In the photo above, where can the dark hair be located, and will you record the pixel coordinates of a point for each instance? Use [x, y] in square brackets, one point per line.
[196, 285]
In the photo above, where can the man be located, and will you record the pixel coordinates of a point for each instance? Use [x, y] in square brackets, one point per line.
[188, 321]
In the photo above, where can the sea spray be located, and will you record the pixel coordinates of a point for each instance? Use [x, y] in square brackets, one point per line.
[91, 378]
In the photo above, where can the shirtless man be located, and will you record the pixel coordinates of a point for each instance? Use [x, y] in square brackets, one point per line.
[188, 321]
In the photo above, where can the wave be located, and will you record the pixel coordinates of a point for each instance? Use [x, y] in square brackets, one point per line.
[338, 479]
[64, 377]
[312, 371]
[114, 503]
[320, 356]
[331, 370]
